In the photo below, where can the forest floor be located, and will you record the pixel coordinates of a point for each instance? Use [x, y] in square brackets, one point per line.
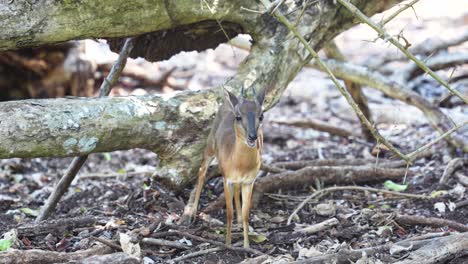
[114, 194]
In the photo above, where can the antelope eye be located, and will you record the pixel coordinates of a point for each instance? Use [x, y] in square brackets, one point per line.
[261, 117]
[238, 118]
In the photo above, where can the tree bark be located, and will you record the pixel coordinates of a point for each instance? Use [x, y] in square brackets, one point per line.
[174, 128]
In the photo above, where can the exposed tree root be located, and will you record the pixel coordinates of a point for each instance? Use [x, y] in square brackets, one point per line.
[327, 174]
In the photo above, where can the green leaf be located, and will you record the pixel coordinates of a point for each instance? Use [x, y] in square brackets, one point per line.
[107, 156]
[121, 171]
[385, 206]
[394, 186]
[436, 194]
[29, 211]
[257, 238]
[5, 244]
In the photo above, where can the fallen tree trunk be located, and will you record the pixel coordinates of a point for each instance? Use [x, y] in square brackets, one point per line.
[174, 128]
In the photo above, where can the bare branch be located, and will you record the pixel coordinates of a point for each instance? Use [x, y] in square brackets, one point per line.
[399, 11]
[343, 91]
[385, 36]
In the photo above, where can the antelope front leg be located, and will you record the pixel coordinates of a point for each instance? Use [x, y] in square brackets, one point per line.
[246, 201]
[237, 202]
[228, 195]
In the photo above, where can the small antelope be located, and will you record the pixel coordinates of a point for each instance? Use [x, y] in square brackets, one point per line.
[236, 141]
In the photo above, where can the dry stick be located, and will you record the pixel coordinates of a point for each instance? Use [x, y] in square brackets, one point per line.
[216, 243]
[354, 188]
[392, 16]
[196, 254]
[385, 36]
[343, 91]
[107, 243]
[430, 221]
[164, 243]
[452, 166]
[318, 227]
[77, 163]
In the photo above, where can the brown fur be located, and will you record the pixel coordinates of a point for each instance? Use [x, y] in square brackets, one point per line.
[238, 162]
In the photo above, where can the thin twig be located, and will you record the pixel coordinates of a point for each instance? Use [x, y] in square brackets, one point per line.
[164, 243]
[392, 16]
[107, 243]
[219, 244]
[353, 188]
[77, 162]
[196, 254]
[430, 221]
[343, 91]
[385, 36]
[428, 145]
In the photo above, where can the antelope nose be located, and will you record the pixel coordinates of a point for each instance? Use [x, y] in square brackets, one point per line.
[252, 136]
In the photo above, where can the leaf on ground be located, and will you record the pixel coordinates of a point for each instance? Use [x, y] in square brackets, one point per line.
[5, 244]
[394, 186]
[29, 211]
[107, 156]
[257, 238]
[436, 194]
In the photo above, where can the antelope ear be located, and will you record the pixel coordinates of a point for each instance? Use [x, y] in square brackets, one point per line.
[261, 96]
[230, 98]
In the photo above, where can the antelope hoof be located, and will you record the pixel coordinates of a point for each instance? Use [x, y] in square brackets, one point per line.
[185, 220]
[246, 244]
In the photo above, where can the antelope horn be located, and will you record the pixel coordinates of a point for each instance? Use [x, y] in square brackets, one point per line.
[242, 91]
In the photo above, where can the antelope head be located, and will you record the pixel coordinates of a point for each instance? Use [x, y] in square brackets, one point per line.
[248, 114]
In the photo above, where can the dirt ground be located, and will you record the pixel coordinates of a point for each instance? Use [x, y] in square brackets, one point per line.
[115, 193]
